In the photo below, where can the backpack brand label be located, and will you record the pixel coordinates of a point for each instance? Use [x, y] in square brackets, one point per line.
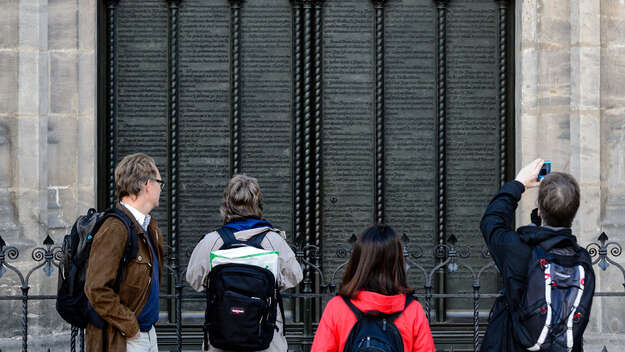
[563, 275]
[237, 310]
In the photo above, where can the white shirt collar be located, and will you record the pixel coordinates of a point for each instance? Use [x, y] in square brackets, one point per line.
[141, 218]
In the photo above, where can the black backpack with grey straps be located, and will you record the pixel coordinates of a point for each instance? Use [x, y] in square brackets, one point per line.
[556, 306]
[72, 303]
[242, 302]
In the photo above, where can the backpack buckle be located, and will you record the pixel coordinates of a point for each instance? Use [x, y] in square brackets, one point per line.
[577, 317]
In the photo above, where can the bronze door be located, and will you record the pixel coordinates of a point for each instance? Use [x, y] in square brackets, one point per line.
[347, 111]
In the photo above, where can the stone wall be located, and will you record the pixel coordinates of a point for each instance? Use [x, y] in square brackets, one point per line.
[47, 132]
[570, 105]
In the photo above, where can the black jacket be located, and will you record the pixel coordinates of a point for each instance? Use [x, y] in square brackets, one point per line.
[511, 250]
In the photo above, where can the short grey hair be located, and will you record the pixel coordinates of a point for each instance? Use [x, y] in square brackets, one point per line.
[558, 199]
[242, 199]
[132, 173]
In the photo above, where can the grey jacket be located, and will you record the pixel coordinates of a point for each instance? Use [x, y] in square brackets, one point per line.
[290, 270]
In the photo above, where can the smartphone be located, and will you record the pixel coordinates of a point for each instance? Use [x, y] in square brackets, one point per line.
[545, 170]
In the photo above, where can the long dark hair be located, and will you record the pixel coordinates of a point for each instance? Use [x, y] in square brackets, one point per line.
[376, 264]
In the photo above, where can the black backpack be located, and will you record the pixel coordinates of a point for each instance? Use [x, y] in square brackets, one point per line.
[375, 331]
[72, 303]
[242, 302]
[555, 309]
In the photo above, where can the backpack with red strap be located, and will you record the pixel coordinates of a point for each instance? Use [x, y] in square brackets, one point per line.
[554, 311]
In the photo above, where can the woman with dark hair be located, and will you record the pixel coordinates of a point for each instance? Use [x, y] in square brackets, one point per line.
[374, 283]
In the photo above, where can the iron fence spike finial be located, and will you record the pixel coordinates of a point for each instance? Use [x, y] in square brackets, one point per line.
[605, 349]
[404, 238]
[353, 238]
[603, 237]
[48, 241]
[2, 244]
[452, 240]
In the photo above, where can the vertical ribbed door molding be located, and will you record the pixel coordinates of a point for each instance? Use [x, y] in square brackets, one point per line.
[379, 111]
[305, 152]
[503, 91]
[235, 86]
[172, 157]
[441, 127]
[441, 113]
[317, 47]
[111, 98]
[318, 83]
[307, 99]
[307, 134]
[297, 120]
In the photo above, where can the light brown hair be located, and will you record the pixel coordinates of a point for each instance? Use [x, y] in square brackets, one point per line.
[132, 173]
[558, 199]
[242, 199]
[376, 264]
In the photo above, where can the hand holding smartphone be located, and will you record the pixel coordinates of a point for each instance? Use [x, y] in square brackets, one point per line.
[529, 174]
[544, 170]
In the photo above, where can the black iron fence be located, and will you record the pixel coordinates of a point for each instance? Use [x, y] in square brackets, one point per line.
[316, 289]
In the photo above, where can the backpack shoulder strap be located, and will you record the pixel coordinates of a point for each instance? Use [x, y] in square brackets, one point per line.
[353, 308]
[409, 299]
[132, 246]
[539, 251]
[281, 307]
[256, 240]
[227, 236]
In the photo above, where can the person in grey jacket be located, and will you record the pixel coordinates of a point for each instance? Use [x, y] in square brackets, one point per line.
[242, 211]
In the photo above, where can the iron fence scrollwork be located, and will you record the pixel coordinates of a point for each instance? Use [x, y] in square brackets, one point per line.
[48, 257]
[449, 257]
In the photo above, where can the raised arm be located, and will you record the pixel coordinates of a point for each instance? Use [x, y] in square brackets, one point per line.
[497, 222]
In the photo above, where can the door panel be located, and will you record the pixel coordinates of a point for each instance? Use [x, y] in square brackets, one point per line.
[347, 111]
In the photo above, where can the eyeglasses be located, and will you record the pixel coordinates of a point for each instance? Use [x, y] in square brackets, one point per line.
[161, 182]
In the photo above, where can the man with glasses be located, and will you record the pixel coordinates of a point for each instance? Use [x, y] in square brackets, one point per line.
[131, 309]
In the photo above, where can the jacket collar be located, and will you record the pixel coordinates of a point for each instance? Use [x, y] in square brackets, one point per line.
[548, 237]
[246, 224]
[372, 301]
[247, 234]
[139, 216]
[151, 227]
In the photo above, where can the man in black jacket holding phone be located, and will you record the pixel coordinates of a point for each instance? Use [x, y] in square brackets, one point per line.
[513, 250]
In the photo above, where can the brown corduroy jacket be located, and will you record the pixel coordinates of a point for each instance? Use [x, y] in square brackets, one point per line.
[119, 310]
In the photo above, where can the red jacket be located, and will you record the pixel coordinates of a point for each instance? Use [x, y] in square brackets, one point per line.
[337, 320]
